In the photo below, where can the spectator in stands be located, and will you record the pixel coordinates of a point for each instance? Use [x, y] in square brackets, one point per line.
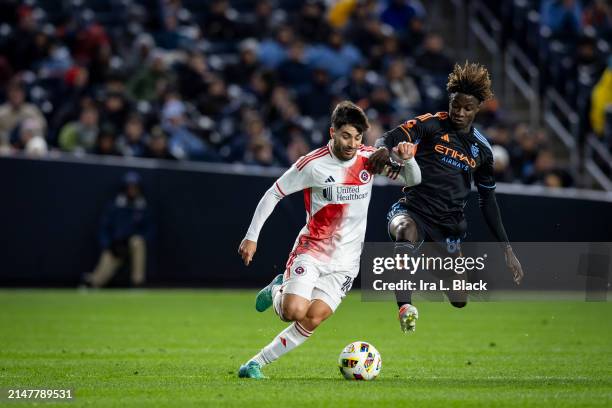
[132, 142]
[81, 136]
[501, 164]
[261, 152]
[336, 57]
[547, 172]
[298, 145]
[265, 19]
[115, 110]
[355, 88]
[400, 13]
[16, 110]
[140, 52]
[272, 51]
[404, 88]
[294, 72]
[310, 23]
[598, 15]
[433, 58]
[256, 144]
[524, 155]
[193, 76]
[125, 229]
[157, 147]
[562, 17]
[219, 24]
[75, 87]
[31, 138]
[318, 100]
[240, 73]
[184, 144]
[215, 100]
[147, 82]
[105, 143]
[170, 37]
[601, 100]
[374, 133]
[381, 105]
[24, 46]
[365, 30]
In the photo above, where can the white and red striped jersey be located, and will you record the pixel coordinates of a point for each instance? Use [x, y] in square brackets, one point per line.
[336, 198]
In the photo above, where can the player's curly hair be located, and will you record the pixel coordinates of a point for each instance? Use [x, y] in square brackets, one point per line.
[470, 79]
[347, 113]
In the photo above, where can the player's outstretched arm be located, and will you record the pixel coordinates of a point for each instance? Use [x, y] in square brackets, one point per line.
[294, 179]
[490, 211]
[266, 205]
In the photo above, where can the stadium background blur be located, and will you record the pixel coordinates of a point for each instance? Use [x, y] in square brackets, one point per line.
[208, 101]
[189, 92]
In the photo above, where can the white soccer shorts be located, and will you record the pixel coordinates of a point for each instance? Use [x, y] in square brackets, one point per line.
[329, 283]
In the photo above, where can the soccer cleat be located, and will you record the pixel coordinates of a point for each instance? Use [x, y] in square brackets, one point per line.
[264, 298]
[252, 369]
[408, 316]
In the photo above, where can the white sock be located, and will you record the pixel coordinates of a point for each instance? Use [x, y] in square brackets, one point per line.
[284, 342]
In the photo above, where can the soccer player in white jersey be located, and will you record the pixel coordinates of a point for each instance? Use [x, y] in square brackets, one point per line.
[325, 258]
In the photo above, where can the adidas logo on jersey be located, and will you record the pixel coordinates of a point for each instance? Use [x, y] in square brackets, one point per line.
[446, 138]
[330, 179]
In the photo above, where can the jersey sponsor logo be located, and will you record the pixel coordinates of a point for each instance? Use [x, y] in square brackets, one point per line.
[475, 150]
[350, 193]
[455, 163]
[299, 270]
[364, 176]
[454, 154]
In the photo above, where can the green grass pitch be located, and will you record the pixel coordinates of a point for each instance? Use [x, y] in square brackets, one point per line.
[180, 348]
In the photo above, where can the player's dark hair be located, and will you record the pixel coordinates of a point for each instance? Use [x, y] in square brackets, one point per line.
[347, 113]
[470, 79]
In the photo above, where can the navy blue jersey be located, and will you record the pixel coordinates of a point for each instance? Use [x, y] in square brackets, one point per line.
[450, 161]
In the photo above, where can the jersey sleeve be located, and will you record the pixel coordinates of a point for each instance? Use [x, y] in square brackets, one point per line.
[297, 178]
[294, 179]
[413, 130]
[484, 176]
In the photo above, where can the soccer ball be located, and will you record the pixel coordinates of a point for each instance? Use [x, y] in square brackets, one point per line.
[360, 361]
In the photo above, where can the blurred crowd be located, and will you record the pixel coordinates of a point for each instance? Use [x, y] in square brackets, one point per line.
[570, 42]
[239, 81]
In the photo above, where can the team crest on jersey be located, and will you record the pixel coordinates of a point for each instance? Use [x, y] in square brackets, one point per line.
[475, 150]
[299, 270]
[364, 176]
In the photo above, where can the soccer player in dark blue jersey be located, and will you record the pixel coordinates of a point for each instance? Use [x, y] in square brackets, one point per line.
[452, 154]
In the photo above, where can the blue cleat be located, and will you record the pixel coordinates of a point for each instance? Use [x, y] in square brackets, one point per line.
[264, 298]
[251, 369]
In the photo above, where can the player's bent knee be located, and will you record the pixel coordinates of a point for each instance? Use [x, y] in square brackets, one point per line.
[459, 304]
[405, 230]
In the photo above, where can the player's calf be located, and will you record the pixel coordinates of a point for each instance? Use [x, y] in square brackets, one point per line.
[317, 313]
